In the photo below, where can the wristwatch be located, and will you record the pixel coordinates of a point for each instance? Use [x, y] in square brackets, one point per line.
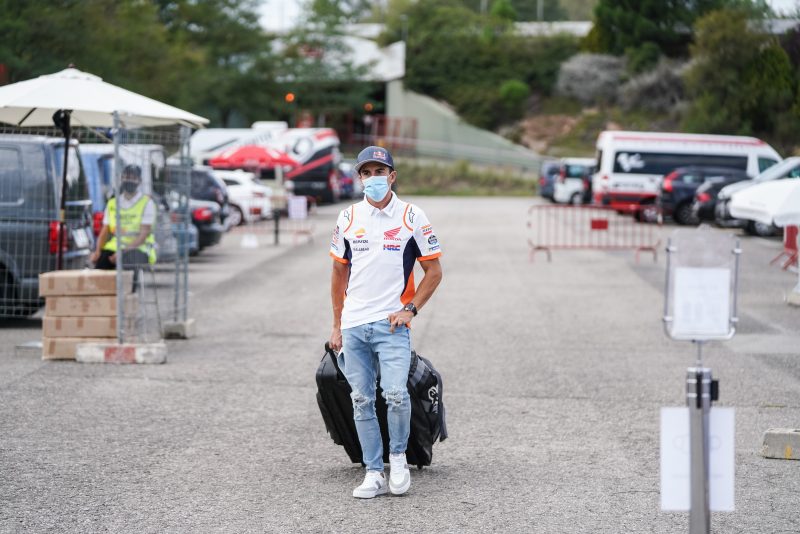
[410, 307]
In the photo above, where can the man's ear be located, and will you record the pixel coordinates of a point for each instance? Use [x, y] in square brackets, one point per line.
[392, 177]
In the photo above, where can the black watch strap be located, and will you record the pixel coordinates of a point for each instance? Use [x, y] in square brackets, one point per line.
[410, 307]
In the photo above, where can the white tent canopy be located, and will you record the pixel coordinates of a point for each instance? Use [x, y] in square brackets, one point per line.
[91, 100]
[772, 202]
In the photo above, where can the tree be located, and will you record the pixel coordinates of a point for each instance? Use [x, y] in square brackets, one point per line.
[528, 10]
[232, 68]
[458, 55]
[316, 63]
[622, 26]
[741, 80]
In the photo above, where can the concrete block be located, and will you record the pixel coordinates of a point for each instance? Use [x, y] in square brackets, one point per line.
[114, 353]
[29, 348]
[781, 443]
[178, 330]
[64, 348]
[793, 298]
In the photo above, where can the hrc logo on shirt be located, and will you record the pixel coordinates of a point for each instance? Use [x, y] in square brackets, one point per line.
[392, 248]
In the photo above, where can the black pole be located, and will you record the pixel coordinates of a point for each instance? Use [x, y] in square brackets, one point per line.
[61, 119]
[276, 214]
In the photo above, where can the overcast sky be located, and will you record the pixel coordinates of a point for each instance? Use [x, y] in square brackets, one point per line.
[282, 14]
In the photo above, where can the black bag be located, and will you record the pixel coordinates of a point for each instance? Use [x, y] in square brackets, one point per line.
[427, 409]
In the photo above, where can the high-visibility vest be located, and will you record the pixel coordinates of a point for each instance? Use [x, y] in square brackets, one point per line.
[131, 221]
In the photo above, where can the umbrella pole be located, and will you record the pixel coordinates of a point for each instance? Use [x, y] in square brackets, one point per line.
[61, 119]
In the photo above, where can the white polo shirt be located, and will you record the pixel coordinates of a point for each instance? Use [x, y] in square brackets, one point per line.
[381, 247]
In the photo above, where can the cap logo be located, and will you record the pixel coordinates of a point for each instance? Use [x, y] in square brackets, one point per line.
[379, 154]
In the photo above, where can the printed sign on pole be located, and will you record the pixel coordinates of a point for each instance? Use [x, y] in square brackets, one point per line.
[675, 459]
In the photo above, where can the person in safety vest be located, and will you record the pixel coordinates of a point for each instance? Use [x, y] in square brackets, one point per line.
[137, 217]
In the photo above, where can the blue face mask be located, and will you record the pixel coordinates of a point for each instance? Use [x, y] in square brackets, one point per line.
[376, 187]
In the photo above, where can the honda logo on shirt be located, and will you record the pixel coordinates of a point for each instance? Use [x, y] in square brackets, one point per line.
[391, 235]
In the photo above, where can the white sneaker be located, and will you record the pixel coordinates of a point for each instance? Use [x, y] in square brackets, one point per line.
[374, 484]
[399, 476]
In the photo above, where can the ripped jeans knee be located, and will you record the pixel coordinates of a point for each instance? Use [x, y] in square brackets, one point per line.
[397, 399]
[363, 406]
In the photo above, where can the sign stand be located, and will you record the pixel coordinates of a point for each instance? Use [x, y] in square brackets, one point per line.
[700, 305]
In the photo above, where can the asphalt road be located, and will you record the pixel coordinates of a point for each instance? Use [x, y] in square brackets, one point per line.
[554, 376]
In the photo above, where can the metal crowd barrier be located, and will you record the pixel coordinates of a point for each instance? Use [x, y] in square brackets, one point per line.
[588, 228]
[789, 253]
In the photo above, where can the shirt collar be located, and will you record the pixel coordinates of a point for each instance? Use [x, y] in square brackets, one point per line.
[133, 199]
[388, 210]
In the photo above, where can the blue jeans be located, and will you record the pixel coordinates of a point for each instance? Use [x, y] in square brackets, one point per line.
[365, 349]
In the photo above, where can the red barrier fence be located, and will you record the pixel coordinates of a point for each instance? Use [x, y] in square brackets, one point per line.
[588, 228]
[789, 247]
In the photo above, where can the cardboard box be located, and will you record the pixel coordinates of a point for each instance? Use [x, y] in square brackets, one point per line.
[57, 327]
[63, 348]
[82, 282]
[93, 306]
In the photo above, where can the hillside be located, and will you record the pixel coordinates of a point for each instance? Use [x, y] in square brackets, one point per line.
[574, 133]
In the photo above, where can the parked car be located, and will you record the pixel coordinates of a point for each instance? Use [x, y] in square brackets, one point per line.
[676, 193]
[188, 237]
[788, 168]
[30, 185]
[349, 182]
[547, 177]
[206, 186]
[573, 183]
[207, 218]
[705, 198]
[317, 152]
[249, 198]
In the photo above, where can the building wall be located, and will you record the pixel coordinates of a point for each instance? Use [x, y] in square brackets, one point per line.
[442, 134]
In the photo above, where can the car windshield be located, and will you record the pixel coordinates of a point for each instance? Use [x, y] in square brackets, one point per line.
[787, 167]
[576, 171]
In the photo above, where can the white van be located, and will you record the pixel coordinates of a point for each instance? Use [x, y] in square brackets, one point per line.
[572, 184]
[630, 165]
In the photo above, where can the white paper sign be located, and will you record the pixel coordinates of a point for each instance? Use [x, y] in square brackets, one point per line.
[297, 207]
[701, 303]
[675, 459]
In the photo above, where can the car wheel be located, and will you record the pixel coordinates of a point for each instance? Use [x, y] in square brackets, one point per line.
[646, 213]
[576, 199]
[236, 216]
[683, 215]
[759, 229]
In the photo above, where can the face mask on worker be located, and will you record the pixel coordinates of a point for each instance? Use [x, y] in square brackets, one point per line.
[376, 187]
[129, 186]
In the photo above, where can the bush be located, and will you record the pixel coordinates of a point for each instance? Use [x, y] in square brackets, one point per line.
[659, 90]
[513, 94]
[591, 78]
[642, 58]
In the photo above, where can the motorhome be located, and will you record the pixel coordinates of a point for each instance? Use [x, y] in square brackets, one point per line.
[630, 165]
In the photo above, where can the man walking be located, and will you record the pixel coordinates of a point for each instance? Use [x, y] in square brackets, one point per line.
[375, 245]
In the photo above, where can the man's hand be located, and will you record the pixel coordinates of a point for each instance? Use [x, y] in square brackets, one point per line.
[400, 318]
[94, 256]
[336, 339]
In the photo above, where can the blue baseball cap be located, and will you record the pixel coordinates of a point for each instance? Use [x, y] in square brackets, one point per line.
[374, 154]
